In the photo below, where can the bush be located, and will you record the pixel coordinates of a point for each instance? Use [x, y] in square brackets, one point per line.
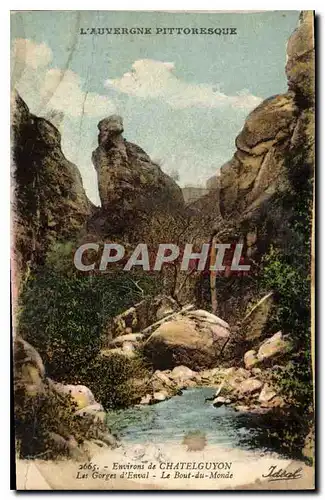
[115, 380]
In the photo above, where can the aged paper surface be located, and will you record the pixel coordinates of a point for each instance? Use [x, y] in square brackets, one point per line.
[163, 250]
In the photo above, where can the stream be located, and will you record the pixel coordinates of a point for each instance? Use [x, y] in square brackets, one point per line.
[157, 441]
[185, 415]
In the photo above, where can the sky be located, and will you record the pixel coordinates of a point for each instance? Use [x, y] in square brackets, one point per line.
[183, 98]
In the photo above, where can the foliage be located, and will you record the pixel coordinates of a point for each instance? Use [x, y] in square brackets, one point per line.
[40, 418]
[116, 380]
[291, 283]
[64, 314]
[287, 271]
[60, 257]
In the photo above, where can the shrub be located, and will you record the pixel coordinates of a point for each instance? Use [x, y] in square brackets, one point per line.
[116, 380]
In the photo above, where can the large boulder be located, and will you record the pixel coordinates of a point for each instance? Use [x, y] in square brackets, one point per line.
[249, 386]
[184, 341]
[273, 347]
[80, 394]
[202, 315]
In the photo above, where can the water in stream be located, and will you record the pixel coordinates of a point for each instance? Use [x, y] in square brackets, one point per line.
[174, 419]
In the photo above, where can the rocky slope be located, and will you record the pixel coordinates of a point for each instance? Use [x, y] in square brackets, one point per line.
[53, 419]
[49, 205]
[185, 346]
[274, 151]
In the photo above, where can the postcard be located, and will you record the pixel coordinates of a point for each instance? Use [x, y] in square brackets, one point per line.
[162, 257]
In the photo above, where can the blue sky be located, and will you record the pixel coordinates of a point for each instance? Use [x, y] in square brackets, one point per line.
[183, 98]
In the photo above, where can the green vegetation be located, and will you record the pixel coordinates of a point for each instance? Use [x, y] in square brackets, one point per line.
[63, 314]
[287, 271]
[115, 380]
[43, 422]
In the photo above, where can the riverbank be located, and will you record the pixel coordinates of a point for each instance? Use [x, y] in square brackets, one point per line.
[181, 443]
[249, 390]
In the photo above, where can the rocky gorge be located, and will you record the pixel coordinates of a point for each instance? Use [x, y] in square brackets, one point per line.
[185, 347]
[168, 332]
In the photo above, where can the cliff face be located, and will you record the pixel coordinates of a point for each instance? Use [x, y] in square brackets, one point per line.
[256, 170]
[274, 155]
[280, 128]
[131, 186]
[49, 202]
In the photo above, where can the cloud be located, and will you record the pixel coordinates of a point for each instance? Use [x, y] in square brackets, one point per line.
[52, 89]
[155, 79]
[31, 54]
[62, 91]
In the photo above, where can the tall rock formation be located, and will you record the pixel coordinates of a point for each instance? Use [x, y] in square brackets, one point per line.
[256, 170]
[280, 129]
[49, 201]
[274, 156]
[131, 186]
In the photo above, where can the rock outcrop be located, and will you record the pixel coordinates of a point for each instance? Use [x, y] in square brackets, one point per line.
[137, 318]
[131, 186]
[248, 391]
[257, 169]
[271, 349]
[49, 201]
[280, 126]
[170, 336]
[300, 67]
[52, 419]
[274, 154]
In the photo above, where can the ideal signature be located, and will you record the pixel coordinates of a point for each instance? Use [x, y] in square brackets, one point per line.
[275, 474]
